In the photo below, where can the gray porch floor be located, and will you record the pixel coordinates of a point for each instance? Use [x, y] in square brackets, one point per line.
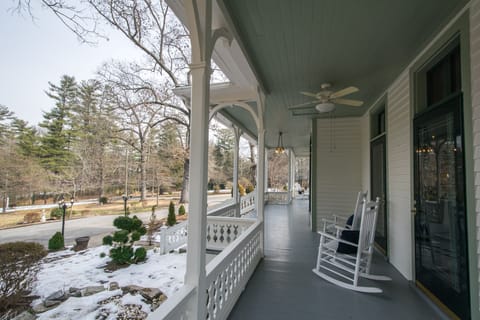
[284, 287]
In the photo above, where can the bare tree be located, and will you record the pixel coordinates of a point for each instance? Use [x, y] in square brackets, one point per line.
[138, 108]
[154, 29]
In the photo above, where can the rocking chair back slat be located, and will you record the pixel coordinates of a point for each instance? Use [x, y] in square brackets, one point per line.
[357, 213]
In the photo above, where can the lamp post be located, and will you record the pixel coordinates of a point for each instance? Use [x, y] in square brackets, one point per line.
[63, 205]
[71, 207]
[125, 198]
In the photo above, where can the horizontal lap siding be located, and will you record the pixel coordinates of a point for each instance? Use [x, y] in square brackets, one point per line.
[399, 175]
[365, 132]
[339, 166]
[475, 85]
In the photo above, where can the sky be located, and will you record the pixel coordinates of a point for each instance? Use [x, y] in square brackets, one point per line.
[32, 53]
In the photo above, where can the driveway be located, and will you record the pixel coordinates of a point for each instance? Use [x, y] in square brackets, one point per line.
[95, 227]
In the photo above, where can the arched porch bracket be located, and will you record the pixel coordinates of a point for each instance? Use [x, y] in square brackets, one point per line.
[239, 104]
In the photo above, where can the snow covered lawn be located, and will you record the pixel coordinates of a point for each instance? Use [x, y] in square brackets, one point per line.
[67, 269]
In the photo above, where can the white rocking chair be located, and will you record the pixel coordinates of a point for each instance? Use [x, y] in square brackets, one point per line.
[337, 223]
[345, 270]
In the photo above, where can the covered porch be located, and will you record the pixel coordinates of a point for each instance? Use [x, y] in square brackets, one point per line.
[284, 287]
[280, 58]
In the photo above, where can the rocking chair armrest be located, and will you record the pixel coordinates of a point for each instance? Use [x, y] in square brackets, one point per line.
[342, 228]
[327, 235]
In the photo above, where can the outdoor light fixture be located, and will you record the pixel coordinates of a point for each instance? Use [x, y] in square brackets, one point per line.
[62, 205]
[325, 107]
[280, 148]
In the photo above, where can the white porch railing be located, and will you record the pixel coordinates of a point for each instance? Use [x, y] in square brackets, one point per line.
[277, 197]
[247, 203]
[225, 210]
[173, 237]
[227, 275]
[229, 272]
[221, 231]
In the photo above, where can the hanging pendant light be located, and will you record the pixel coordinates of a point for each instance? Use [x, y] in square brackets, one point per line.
[280, 148]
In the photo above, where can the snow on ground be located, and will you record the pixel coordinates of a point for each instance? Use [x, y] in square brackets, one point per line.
[67, 269]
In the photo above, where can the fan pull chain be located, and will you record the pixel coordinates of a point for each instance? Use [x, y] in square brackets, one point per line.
[333, 145]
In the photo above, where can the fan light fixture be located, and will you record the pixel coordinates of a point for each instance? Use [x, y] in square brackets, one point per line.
[280, 148]
[325, 107]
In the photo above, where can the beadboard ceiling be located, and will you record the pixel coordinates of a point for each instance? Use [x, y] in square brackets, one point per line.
[296, 45]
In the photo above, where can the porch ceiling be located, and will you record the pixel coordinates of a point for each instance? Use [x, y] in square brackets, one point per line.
[295, 46]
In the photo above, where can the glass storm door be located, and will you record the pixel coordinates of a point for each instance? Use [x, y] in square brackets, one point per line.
[441, 266]
[378, 189]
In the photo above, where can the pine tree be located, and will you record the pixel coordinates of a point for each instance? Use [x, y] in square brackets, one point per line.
[55, 150]
[26, 137]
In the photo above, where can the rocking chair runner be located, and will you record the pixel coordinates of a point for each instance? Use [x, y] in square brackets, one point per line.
[345, 270]
[332, 225]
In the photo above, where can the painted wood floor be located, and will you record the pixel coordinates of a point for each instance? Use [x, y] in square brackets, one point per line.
[284, 287]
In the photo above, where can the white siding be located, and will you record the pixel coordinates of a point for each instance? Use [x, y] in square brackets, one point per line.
[475, 85]
[365, 145]
[339, 166]
[399, 175]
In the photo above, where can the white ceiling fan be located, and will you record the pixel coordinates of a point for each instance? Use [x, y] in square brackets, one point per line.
[325, 100]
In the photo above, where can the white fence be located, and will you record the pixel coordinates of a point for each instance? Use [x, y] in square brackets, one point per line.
[227, 275]
[247, 203]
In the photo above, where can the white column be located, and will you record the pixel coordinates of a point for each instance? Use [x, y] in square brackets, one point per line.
[260, 202]
[292, 169]
[197, 217]
[266, 170]
[236, 150]
[289, 176]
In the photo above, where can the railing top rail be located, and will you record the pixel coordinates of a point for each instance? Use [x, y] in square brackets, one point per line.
[222, 206]
[173, 303]
[232, 219]
[177, 226]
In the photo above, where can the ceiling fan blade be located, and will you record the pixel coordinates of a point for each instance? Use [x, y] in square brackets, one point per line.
[309, 94]
[302, 105]
[348, 102]
[343, 92]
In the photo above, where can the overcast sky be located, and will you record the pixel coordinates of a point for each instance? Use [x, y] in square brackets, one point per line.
[34, 53]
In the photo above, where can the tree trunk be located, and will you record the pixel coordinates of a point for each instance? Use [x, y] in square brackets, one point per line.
[143, 175]
[101, 183]
[186, 181]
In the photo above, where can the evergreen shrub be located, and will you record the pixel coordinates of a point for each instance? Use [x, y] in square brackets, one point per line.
[56, 242]
[171, 218]
[122, 240]
[181, 210]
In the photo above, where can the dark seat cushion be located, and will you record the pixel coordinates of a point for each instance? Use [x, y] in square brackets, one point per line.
[350, 236]
[350, 221]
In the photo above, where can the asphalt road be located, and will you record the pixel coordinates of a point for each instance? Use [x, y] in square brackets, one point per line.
[94, 227]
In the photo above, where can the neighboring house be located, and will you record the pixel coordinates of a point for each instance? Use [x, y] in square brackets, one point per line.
[415, 142]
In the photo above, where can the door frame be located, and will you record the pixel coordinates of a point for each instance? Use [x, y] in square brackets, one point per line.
[382, 136]
[439, 109]
[458, 27]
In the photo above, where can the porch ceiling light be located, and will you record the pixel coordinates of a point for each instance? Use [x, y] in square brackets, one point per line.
[325, 107]
[280, 148]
